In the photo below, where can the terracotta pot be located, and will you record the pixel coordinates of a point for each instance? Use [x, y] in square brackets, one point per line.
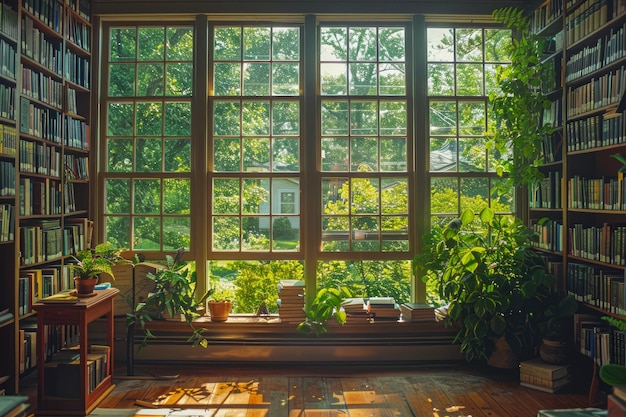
[219, 310]
[85, 286]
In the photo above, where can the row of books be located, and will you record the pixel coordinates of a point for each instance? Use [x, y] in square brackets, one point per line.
[37, 46]
[586, 18]
[40, 196]
[48, 241]
[545, 14]
[540, 375]
[8, 65]
[76, 167]
[7, 178]
[599, 341]
[592, 58]
[76, 133]
[49, 12]
[603, 288]
[8, 140]
[552, 148]
[77, 69]
[598, 92]
[39, 158]
[606, 243]
[39, 121]
[550, 235]
[42, 87]
[595, 131]
[35, 284]
[7, 222]
[597, 193]
[62, 372]
[547, 193]
[7, 101]
[78, 33]
[8, 20]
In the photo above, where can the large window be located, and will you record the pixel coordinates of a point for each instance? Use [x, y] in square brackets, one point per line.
[461, 74]
[297, 165]
[147, 137]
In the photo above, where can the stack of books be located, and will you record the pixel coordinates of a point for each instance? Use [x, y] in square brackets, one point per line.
[383, 308]
[13, 405]
[291, 301]
[543, 376]
[355, 310]
[417, 312]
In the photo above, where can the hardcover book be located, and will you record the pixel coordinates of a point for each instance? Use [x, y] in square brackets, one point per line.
[537, 367]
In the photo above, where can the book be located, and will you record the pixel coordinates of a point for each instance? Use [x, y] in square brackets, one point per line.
[542, 382]
[537, 367]
[133, 282]
[8, 403]
[573, 412]
[67, 297]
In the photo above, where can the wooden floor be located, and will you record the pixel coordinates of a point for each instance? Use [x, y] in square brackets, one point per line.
[332, 390]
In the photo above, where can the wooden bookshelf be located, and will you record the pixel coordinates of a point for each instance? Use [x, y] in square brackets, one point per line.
[45, 54]
[587, 216]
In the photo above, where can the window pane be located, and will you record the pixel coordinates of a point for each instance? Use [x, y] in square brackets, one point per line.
[441, 79]
[122, 44]
[149, 155]
[179, 44]
[117, 196]
[147, 197]
[121, 80]
[151, 44]
[150, 80]
[176, 196]
[178, 79]
[176, 233]
[469, 43]
[119, 155]
[146, 233]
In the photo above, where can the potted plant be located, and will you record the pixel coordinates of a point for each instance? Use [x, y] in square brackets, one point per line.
[551, 325]
[90, 263]
[174, 293]
[326, 305]
[518, 132]
[495, 284]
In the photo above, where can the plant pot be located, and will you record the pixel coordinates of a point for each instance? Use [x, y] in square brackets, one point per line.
[85, 286]
[219, 310]
[553, 351]
[503, 357]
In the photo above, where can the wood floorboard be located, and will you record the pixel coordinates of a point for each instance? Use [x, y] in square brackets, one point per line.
[335, 390]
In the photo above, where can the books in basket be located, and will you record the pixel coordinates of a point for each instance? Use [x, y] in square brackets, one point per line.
[537, 367]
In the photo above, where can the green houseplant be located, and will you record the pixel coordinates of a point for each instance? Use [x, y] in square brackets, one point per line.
[519, 131]
[325, 306]
[174, 293]
[495, 284]
[90, 263]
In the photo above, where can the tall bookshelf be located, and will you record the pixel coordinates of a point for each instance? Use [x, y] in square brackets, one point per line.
[588, 220]
[45, 55]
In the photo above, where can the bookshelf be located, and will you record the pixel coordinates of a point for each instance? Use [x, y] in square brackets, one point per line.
[45, 54]
[585, 235]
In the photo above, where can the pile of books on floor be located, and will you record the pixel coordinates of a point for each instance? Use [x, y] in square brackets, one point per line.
[355, 310]
[291, 301]
[417, 312]
[543, 376]
[13, 405]
[383, 308]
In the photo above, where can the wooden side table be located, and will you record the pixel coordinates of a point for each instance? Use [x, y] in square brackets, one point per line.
[80, 314]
